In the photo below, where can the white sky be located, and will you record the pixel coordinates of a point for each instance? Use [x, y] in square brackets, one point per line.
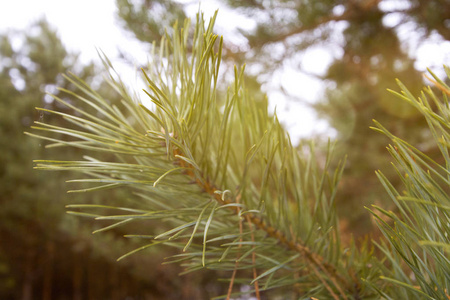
[85, 25]
[82, 24]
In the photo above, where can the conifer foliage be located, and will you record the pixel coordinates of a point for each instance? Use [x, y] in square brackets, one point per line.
[233, 192]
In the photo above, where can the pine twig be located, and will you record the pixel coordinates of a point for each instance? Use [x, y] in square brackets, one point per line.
[253, 258]
[316, 260]
[233, 276]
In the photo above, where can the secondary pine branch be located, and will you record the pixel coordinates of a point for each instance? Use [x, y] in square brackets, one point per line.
[318, 263]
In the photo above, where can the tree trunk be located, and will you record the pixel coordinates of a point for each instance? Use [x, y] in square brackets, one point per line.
[27, 288]
[77, 277]
[48, 271]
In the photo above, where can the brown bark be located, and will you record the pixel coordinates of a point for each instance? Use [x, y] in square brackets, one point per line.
[48, 271]
[77, 279]
[27, 288]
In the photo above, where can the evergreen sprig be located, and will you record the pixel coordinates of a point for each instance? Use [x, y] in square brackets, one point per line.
[419, 232]
[234, 193]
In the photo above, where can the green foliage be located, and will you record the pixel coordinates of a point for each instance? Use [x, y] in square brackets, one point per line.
[370, 45]
[419, 230]
[26, 73]
[236, 196]
[148, 19]
[31, 218]
[41, 249]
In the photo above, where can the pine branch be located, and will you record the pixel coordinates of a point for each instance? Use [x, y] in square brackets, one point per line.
[420, 234]
[192, 154]
[317, 262]
[202, 161]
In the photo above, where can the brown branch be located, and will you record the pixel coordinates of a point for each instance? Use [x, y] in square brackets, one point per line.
[329, 289]
[353, 10]
[283, 36]
[233, 276]
[295, 244]
[253, 258]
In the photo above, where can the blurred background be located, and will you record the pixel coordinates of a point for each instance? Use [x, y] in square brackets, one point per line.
[324, 64]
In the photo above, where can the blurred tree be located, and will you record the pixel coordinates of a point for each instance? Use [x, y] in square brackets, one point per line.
[32, 211]
[369, 54]
[148, 19]
[44, 253]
